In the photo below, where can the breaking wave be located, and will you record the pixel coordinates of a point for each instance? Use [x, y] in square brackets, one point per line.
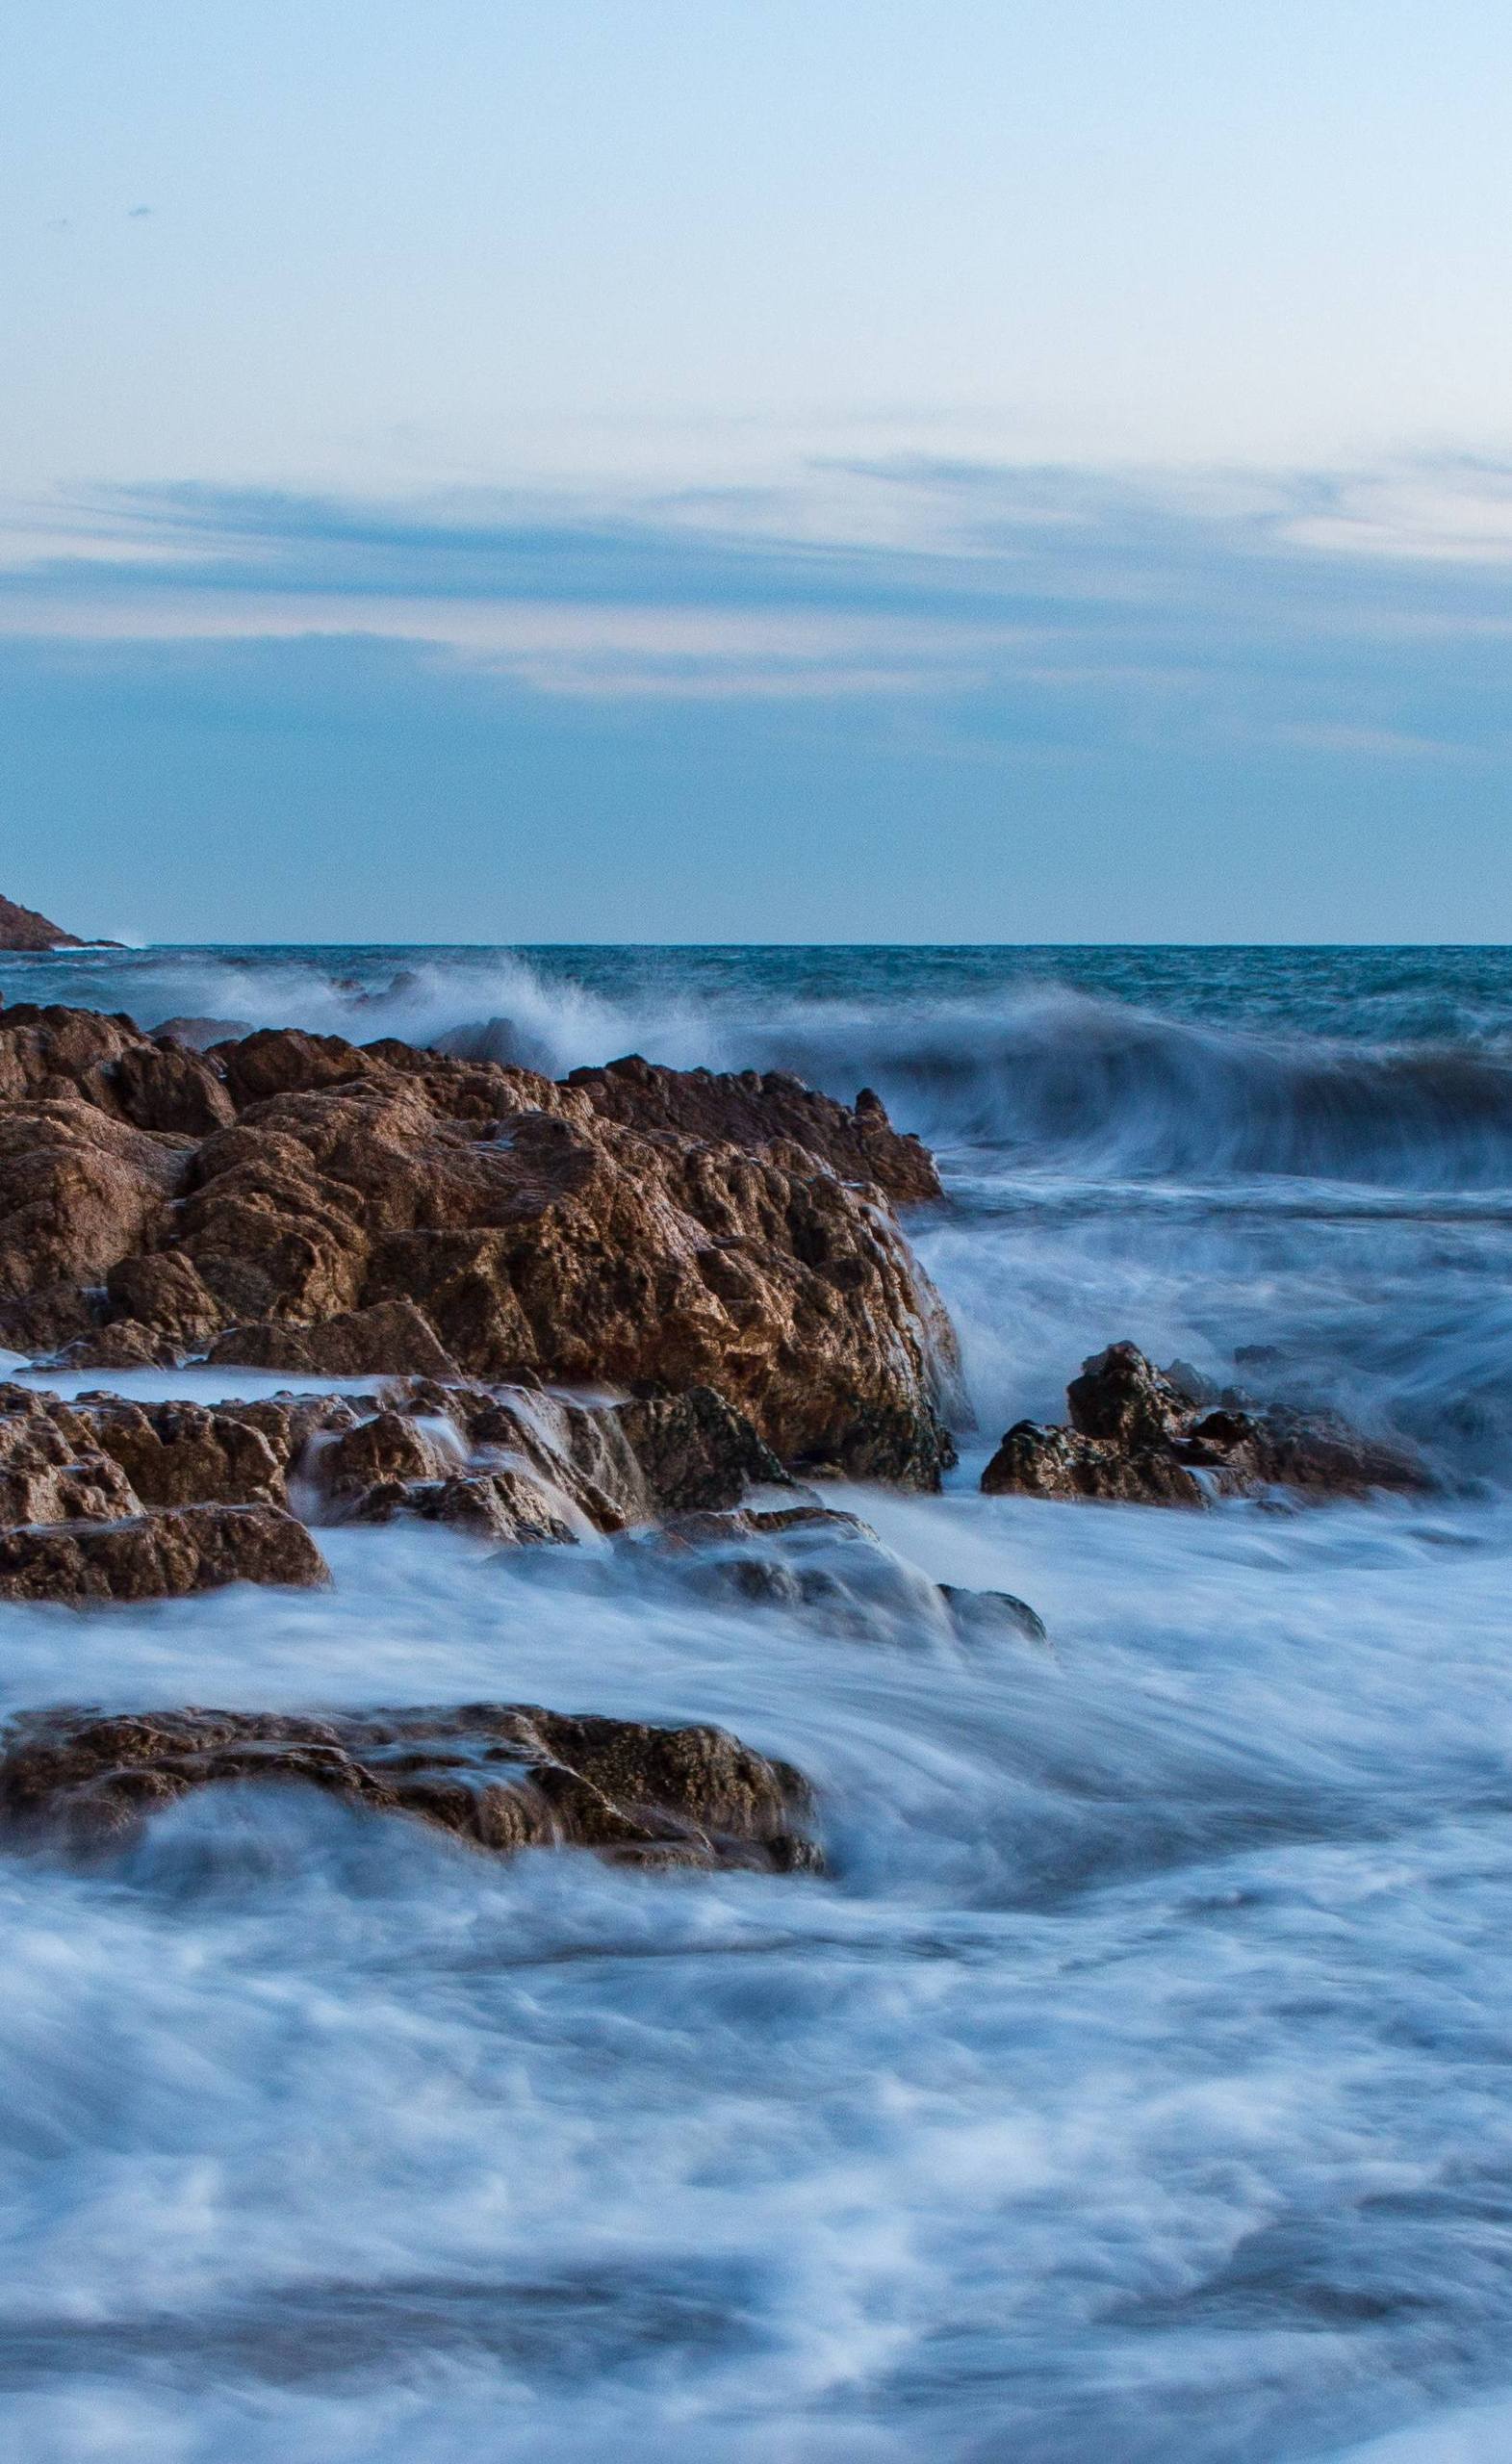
[1407, 1088]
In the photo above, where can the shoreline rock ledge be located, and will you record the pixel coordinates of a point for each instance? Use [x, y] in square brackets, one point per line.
[299, 1203]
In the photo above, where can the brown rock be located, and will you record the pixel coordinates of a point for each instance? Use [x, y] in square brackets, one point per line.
[167, 1292]
[509, 1508]
[755, 1109]
[1034, 1461]
[392, 1339]
[153, 1557]
[1145, 1436]
[189, 1455]
[163, 1087]
[284, 1060]
[519, 1230]
[695, 1450]
[21, 927]
[51, 1470]
[1121, 1399]
[390, 1449]
[498, 1777]
[124, 1344]
[78, 1191]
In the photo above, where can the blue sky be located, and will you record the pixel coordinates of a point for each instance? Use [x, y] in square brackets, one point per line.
[869, 470]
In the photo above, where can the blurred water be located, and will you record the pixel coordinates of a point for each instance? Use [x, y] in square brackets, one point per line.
[1135, 2086]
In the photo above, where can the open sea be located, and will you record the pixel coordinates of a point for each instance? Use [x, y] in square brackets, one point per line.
[1136, 2087]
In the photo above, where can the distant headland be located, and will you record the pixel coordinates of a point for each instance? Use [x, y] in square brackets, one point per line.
[21, 927]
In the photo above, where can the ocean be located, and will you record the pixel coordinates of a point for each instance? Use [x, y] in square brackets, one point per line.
[1135, 2085]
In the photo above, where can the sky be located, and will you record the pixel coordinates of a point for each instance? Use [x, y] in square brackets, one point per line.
[866, 469]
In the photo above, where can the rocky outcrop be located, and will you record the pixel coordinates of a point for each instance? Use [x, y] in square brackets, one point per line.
[511, 1466]
[498, 1777]
[392, 1339]
[757, 1109]
[21, 927]
[157, 1556]
[295, 1201]
[1152, 1437]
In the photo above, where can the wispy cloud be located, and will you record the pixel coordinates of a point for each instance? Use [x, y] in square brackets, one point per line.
[1324, 612]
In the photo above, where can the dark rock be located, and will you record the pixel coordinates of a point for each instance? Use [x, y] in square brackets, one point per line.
[696, 1450]
[154, 1557]
[1148, 1436]
[755, 1109]
[392, 1339]
[607, 1232]
[21, 927]
[197, 1034]
[167, 1088]
[498, 1777]
[988, 1616]
[1034, 1461]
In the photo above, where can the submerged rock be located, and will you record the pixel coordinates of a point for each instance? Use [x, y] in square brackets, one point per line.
[497, 1776]
[833, 1570]
[1150, 1436]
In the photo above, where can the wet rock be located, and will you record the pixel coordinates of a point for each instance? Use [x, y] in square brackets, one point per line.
[696, 1450]
[126, 1343]
[829, 1569]
[1315, 1451]
[51, 1470]
[177, 1453]
[1125, 1401]
[1148, 1436]
[165, 1291]
[154, 1557]
[167, 1088]
[509, 1508]
[993, 1616]
[1035, 1461]
[755, 1109]
[198, 1033]
[392, 1339]
[389, 1450]
[374, 1210]
[499, 1776]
